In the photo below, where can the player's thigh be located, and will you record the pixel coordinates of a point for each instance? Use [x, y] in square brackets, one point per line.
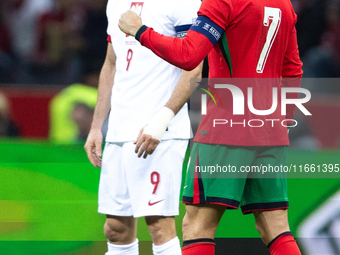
[154, 183]
[265, 192]
[214, 176]
[120, 230]
[201, 221]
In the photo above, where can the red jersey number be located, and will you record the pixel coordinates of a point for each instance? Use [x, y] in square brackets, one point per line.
[129, 58]
[155, 179]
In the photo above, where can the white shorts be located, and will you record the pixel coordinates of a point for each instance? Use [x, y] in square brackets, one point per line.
[132, 186]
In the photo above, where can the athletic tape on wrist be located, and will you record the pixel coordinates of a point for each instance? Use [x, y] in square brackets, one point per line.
[159, 123]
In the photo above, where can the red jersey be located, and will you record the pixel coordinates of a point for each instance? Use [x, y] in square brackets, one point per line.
[244, 39]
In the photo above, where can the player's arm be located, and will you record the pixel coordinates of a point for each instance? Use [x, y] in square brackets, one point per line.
[151, 135]
[292, 71]
[93, 145]
[183, 90]
[185, 53]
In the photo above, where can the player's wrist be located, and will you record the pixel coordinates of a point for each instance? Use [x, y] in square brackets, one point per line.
[140, 31]
[96, 127]
[159, 123]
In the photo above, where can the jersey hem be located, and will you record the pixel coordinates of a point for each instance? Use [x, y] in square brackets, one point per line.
[229, 203]
[137, 215]
[165, 214]
[112, 213]
[129, 141]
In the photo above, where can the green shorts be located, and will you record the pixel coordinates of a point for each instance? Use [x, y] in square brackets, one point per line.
[243, 187]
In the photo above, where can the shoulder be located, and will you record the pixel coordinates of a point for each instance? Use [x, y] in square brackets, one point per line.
[111, 6]
[180, 5]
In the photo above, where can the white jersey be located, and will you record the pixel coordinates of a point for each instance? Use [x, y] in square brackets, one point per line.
[144, 82]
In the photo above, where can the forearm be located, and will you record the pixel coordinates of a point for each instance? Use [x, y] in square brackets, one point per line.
[103, 105]
[183, 89]
[184, 53]
[158, 124]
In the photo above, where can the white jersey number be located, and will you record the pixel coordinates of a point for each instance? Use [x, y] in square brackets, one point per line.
[273, 14]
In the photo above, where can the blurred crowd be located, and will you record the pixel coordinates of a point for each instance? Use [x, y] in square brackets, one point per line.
[51, 41]
[318, 29]
[54, 41]
[61, 42]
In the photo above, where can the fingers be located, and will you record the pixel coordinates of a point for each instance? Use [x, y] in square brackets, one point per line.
[123, 22]
[129, 13]
[139, 135]
[129, 22]
[145, 139]
[150, 149]
[93, 147]
[139, 142]
[98, 148]
[97, 160]
[146, 145]
[88, 150]
[154, 146]
[91, 155]
[97, 153]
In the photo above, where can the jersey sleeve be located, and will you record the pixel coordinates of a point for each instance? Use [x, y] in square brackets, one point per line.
[183, 15]
[109, 26]
[188, 52]
[184, 53]
[218, 11]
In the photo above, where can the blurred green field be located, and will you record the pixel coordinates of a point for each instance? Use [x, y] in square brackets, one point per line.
[48, 200]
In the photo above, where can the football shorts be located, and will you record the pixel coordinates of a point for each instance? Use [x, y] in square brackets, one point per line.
[132, 186]
[237, 178]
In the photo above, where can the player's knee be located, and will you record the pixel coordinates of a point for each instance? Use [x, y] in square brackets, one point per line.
[116, 233]
[155, 229]
[193, 227]
[111, 233]
[261, 229]
[161, 228]
[268, 233]
[271, 225]
[186, 224]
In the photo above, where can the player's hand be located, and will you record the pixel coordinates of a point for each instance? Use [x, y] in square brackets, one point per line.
[130, 22]
[145, 144]
[93, 147]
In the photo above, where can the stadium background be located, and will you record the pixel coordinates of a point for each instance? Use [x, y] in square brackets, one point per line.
[48, 190]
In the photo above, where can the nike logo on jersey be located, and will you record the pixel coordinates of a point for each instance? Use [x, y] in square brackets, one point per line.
[151, 204]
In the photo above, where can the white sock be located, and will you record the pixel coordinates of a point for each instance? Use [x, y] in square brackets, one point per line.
[171, 247]
[124, 249]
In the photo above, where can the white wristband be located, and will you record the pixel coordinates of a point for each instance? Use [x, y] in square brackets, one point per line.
[159, 123]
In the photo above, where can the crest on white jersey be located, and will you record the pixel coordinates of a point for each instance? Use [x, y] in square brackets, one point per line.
[137, 7]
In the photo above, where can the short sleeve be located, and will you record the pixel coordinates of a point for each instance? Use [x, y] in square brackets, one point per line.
[108, 12]
[218, 11]
[184, 14]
